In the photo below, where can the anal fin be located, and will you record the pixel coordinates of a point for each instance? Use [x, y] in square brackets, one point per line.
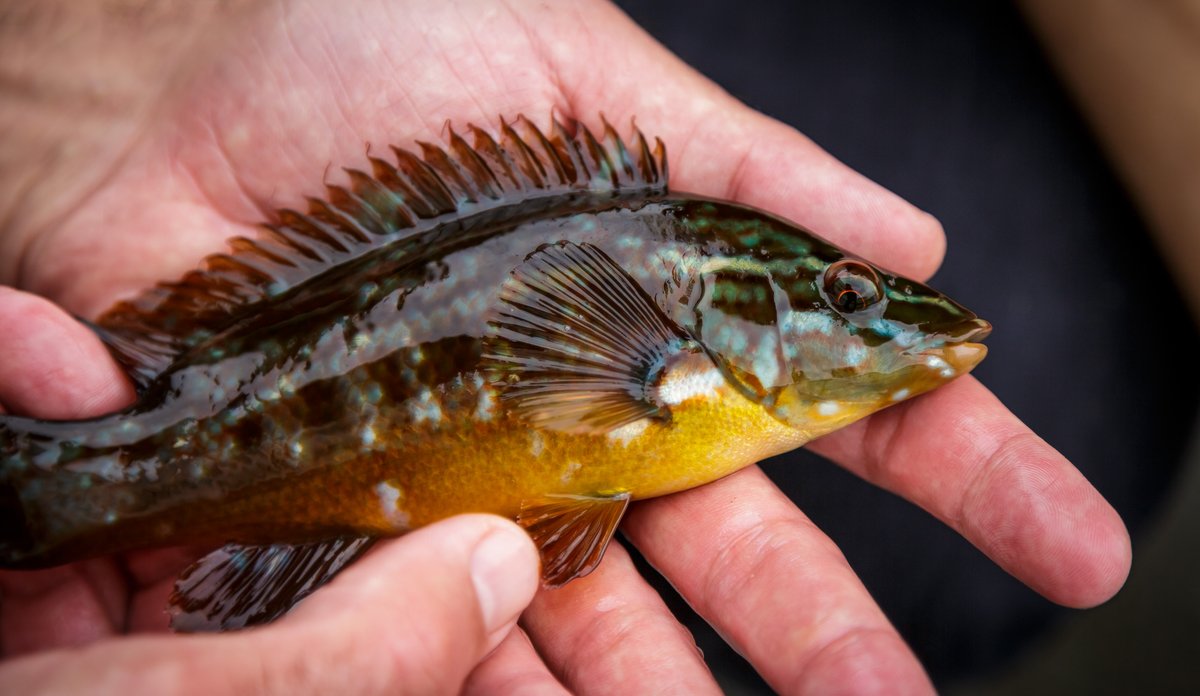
[571, 532]
[238, 586]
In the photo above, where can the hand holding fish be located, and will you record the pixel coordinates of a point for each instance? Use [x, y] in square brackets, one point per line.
[239, 119]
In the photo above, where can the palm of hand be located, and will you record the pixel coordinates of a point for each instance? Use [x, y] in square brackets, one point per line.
[247, 124]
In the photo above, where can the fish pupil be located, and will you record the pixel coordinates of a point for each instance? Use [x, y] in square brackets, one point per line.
[849, 301]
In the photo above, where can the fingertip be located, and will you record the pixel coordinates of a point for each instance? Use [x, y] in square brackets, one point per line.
[1104, 565]
[421, 610]
[1038, 517]
[54, 367]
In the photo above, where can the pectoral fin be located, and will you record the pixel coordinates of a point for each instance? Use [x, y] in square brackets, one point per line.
[577, 344]
[238, 586]
[571, 532]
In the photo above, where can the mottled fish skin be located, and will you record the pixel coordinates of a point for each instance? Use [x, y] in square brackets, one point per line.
[369, 398]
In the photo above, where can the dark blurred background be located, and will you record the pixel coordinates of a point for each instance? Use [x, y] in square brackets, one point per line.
[953, 106]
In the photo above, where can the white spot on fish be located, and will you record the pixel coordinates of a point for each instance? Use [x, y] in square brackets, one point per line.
[425, 408]
[856, 353]
[297, 448]
[107, 467]
[767, 361]
[937, 363]
[569, 473]
[368, 436]
[828, 408]
[692, 376]
[900, 394]
[537, 444]
[628, 432]
[793, 323]
[390, 496]
[486, 405]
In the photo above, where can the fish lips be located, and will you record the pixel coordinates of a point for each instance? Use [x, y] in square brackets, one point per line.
[958, 351]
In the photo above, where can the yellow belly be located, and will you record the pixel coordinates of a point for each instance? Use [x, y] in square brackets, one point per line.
[494, 465]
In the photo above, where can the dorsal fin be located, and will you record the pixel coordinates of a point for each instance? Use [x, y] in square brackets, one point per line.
[397, 200]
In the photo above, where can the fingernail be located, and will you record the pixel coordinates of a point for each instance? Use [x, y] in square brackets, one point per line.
[504, 571]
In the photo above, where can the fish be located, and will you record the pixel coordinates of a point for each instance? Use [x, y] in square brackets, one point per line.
[530, 324]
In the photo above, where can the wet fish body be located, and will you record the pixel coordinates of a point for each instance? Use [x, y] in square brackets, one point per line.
[533, 327]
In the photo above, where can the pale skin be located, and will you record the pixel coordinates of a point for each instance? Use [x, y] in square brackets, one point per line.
[148, 136]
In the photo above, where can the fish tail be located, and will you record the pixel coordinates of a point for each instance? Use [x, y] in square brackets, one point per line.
[16, 536]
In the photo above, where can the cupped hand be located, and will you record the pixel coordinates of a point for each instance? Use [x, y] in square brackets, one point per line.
[244, 116]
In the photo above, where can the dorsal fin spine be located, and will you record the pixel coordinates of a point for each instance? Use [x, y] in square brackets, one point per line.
[425, 181]
[613, 144]
[569, 154]
[646, 164]
[482, 177]
[598, 163]
[387, 205]
[311, 229]
[293, 239]
[346, 229]
[391, 178]
[528, 165]
[451, 174]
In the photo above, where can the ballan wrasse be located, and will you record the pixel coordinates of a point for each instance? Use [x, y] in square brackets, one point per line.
[530, 326]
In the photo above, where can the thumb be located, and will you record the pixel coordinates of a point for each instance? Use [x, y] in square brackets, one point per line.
[416, 615]
[412, 617]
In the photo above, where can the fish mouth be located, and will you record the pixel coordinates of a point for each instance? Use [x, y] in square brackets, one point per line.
[962, 349]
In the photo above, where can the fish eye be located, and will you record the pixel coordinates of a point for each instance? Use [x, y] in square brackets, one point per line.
[851, 286]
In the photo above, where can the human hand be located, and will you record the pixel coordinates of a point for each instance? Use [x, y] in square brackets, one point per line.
[260, 97]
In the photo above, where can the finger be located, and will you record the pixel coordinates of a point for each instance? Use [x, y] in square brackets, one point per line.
[961, 455]
[775, 587]
[720, 147]
[413, 617]
[610, 632]
[514, 667]
[51, 366]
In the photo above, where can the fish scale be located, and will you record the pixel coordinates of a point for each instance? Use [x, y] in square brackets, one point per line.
[530, 326]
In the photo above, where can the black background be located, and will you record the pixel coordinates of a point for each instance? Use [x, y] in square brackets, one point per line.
[953, 106]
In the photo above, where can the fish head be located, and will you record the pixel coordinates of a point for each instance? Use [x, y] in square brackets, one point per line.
[820, 337]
